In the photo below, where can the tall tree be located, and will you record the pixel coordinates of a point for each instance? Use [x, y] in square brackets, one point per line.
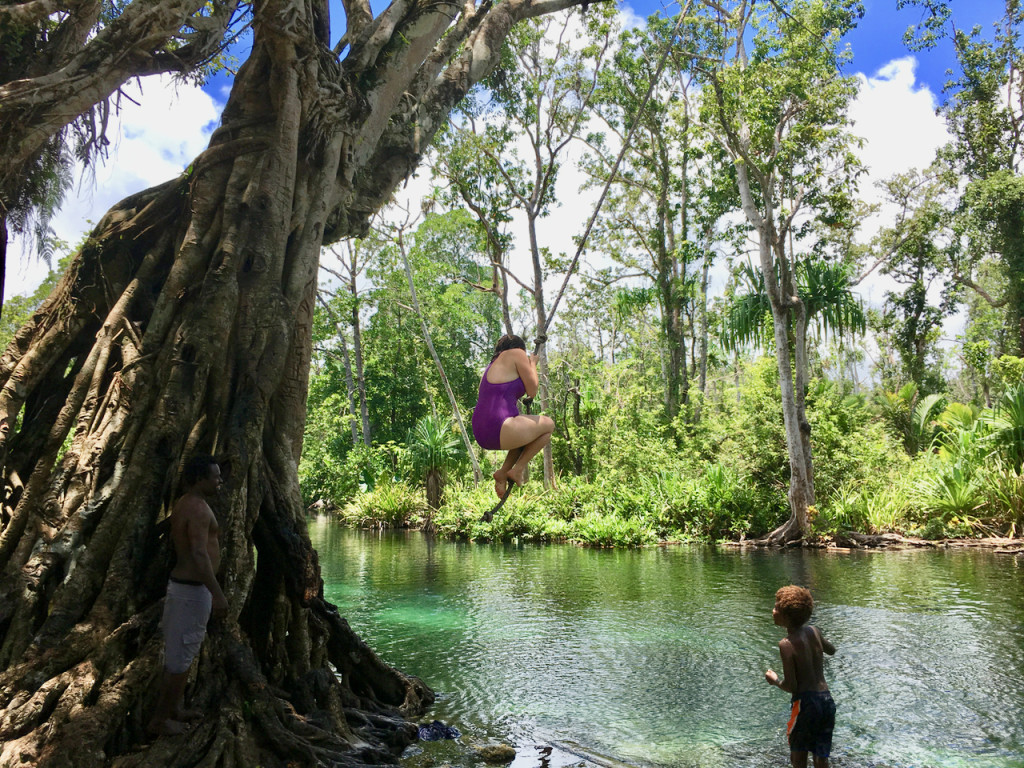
[777, 101]
[539, 105]
[352, 257]
[914, 253]
[662, 214]
[985, 114]
[646, 226]
[183, 325]
[62, 63]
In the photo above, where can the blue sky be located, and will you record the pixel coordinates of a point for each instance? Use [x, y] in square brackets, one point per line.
[877, 40]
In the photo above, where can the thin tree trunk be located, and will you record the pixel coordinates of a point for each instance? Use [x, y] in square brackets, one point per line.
[666, 272]
[802, 372]
[350, 388]
[542, 322]
[784, 309]
[782, 301]
[703, 325]
[357, 350]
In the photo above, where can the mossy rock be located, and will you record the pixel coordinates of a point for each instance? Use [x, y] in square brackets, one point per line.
[495, 753]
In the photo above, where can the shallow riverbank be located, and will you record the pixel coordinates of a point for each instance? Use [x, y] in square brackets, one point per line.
[654, 511]
[530, 522]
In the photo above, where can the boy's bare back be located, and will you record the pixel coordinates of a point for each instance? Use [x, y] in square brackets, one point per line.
[802, 652]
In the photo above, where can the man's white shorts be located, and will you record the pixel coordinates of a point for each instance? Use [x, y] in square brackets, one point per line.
[186, 610]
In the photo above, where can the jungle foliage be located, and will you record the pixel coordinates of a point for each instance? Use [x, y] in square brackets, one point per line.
[667, 399]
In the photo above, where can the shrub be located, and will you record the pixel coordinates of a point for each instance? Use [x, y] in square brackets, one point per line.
[391, 504]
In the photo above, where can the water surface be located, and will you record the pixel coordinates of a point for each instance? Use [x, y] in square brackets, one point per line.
[656, 657]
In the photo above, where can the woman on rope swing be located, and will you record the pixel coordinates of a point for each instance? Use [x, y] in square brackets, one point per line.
[497, 423]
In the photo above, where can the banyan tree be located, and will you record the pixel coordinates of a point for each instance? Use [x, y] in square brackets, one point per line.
[183, 326]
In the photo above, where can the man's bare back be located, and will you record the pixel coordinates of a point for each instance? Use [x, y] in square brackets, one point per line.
[190, 518]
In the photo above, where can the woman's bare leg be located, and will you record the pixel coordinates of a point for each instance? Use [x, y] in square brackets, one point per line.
[501, 475]
[518, 472]
[531, 433]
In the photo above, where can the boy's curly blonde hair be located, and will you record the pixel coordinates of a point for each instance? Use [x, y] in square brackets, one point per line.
[795, 603]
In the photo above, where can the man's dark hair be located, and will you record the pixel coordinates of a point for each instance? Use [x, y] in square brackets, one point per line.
[197, 468]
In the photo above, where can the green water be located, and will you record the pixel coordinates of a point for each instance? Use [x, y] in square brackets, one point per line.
[656, 657]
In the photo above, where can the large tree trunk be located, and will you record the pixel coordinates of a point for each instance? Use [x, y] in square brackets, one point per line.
[183, 325]
[789, 324]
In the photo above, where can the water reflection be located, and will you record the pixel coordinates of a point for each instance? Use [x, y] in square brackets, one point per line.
[656, 657]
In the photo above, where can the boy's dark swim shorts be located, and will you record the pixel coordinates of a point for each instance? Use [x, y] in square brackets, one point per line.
[811, 723]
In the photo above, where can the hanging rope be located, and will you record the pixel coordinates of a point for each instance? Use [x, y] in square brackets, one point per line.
[510, 484]
[542, 337]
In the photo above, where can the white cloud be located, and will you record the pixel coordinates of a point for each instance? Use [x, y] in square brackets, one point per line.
[161, 127]
[895, 114]
[896, 117]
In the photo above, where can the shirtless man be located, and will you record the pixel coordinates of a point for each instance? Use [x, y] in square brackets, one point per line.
[814, 713]
[192, 592]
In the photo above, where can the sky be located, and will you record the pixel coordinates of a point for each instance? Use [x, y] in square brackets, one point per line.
[170, 124]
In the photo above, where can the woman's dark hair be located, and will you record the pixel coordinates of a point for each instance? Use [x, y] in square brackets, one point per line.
[507, 342]
[197, 468]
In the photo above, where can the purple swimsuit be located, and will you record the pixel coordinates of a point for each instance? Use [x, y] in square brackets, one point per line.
[495, 403]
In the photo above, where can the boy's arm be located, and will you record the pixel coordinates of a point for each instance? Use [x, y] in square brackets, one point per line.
[826, 646]
[788, 681]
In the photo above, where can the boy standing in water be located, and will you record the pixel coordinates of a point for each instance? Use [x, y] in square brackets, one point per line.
[814, 713]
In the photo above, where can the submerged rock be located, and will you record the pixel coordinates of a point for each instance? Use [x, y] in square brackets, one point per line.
[495, 753]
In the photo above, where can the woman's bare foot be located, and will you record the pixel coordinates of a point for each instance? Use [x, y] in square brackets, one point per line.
[500, 482]
[517, 476]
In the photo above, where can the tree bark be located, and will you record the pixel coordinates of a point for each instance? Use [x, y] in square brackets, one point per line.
[787, 309]
[183, 326]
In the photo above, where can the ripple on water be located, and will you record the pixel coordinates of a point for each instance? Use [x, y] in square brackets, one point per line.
[657, 657]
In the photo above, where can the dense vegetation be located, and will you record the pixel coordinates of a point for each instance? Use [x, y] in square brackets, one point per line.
[668, 397]
[667, 400]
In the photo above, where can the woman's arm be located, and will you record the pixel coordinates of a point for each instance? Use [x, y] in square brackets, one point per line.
[526, 367]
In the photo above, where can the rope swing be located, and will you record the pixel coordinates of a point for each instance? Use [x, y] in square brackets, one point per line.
[542, 338]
